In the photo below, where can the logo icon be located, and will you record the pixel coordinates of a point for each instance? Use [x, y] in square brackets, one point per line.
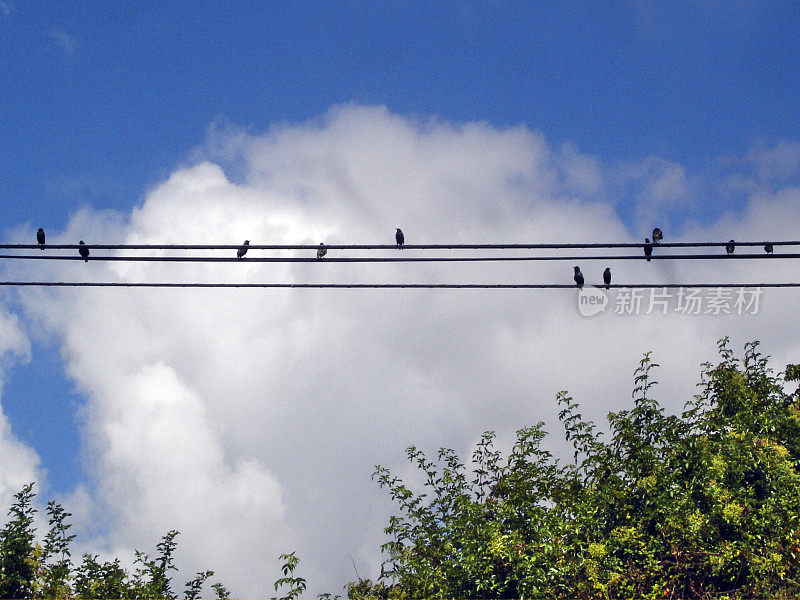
[591, 301]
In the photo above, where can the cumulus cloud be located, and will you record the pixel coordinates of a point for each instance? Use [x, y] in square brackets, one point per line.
[660, 189]
[19, 464]
[251, 420]
[777, 162]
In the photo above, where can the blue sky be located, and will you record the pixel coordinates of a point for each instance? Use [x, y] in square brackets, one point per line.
[100, 100]
[101, 103]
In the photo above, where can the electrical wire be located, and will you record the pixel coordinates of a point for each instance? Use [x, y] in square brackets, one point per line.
[387, 285]
[368, 259]
[388, 246]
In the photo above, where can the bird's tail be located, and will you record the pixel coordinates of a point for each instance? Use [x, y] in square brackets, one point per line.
[648, 259]
[606, 286]
[85, 260]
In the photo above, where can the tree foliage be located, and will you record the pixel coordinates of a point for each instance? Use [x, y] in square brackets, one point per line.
[697, 505]
[29, 569]
[702, 504]
[296, 585]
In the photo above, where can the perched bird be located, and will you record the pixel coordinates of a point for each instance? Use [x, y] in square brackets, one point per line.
[243, 250]
[322, 250]
[578, 277]
[83, 250]
[648, 248]
[768, 248]
[657, 235]
[40, 238]
[401, 239]
[607, 276]
[730, 247]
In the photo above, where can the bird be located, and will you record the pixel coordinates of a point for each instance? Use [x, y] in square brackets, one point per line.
[83, 250]
[607, 276]
[322, 250]
[399, 237]
[648, 248]
[730, 247]
[578, 277]
[768, 248]
[40, 238]
[657, 235]
[243, 250]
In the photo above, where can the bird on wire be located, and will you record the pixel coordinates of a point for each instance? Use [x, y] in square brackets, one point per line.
[322, 250]
[40, 238]
[648, 248]
[768, 248]
[657, 235]
[83, 250]
[400, 238]
[607, 276]
[243, 250]
[578, 277]
[730, 247]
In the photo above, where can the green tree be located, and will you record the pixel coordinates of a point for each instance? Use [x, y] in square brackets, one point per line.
[692, 505]
[102, 580]
[18, 555]
[32, 570]
[195, 586]
[152, 577]
[54, 575]
[221, 591]
[296, 585]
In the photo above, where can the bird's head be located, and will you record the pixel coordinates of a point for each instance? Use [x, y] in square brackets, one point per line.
[40, 230]
[246, 242]
[577, 269]
[80, 242]
[646, 240]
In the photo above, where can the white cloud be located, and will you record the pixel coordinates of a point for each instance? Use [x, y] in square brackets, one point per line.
[777, 162]
[661, 190]
[19, 464]
[68, 43]
[583, 173]
[251, 420]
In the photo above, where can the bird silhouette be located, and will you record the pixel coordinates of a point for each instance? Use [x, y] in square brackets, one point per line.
[399, 237]
[730, 247]
[578, 277]
[607, 276]
[243, 250]
[648, 248]
[657, 235]
[83, 250]
[768, 248]
[40, 238]
[322, 250]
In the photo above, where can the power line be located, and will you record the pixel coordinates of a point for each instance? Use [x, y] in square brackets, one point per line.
[388, 246]
[387, 285]
[367, 259]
